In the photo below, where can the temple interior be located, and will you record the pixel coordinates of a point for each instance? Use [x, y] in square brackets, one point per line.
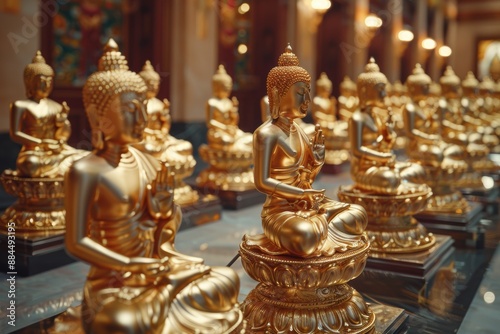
[424, 191]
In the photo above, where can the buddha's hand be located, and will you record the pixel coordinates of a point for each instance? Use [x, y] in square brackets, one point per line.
[50, 144]
[148, 266]
[318, 144]
[161, 193]
[310, 198]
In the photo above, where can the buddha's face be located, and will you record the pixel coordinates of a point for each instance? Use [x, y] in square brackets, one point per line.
[419, 91]
[450, 91]
[222, 89]
[41, 86]
[126, 116]
[324, 90]
[295, 102]
[375, 95]
[153, 88]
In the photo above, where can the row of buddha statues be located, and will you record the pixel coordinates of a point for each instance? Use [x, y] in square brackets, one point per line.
[121, 203]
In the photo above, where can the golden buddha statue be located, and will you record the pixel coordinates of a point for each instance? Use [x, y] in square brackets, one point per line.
[455, 130]
[348, 100]
[474, 106]
[229, 149]
[443, 162]
[324, 108]
[159, 143]
[41, 126]
[311, 245]
[398, 97]
[122, 221]
[390, 191]
[434, 95]
[371, 130]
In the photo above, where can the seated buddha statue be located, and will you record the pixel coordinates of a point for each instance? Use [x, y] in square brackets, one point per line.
[122, 221]
[426, 145]
[348, 100]
[474, 106]
[229, 149]
[297, 219]
[398, 96]
[302, 228]
[41, 126]
[159, 143]
[324, 109]
[223, 118]
[371, 130]
[453, 129]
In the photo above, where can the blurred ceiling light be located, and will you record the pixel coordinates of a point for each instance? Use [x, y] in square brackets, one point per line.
[444, 51]
[242, 49]
[405, 35]
[243, 8]
[488, 182]
[321, 6]
[372, 21]
[429, 44]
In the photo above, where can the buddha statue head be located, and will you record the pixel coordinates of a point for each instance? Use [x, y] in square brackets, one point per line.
[418, 84]
[151, 78]
[398, 89]
[348, 87]
[470, 85]
[486, 86]
[114, 100]
[371, 86]
[324, 86]
[284, 82]
[450, 84]
[222, 84]
[38, 78]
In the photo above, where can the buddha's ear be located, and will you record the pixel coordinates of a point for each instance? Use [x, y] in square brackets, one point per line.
[92, 115]
[275, 106]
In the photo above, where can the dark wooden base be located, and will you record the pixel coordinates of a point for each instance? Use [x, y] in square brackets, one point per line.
[388, 319]
[335, 169]
[208, 209]
[236, 200]
[488, 198]
[404, 276]
[35, 254]
[464, 228]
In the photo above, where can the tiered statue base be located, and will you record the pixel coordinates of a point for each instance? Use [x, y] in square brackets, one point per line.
[391, 226]
[206, 209]
[34, 254]
[463, 227]
[408, 276]
[303, 295]
[35, 224]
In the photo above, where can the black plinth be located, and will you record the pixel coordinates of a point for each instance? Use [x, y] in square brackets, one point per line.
[335, 169]
[388, 319]
[35, 254]
[206, 210]
[464, 228]
[488, 198]
[410, 277]
[235, 200]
